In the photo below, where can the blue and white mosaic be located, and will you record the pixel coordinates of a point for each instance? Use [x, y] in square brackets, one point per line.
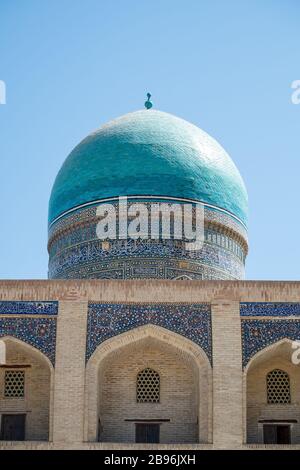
[76, 253]
[269, 309]
[258, 334]
[82, 234]
[108, 320]
[88, 214]
[38, 332]
[9, 307]
[92, 256]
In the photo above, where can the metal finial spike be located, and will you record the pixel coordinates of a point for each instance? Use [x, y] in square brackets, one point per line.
[148, 103]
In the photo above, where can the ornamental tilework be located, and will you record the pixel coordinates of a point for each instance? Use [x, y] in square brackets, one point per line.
[83, 235]
[269, 309]
[38, 332]
[88, 214]
[28, 308]
[108, 320]
[91, 255]
[76, 252]
[258, 334]
[125, 269]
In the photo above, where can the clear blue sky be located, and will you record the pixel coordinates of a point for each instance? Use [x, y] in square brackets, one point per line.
[227, 66]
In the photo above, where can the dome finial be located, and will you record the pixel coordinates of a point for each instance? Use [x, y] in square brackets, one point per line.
[148, 103]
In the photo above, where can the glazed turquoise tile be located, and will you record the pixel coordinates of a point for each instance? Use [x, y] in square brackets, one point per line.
[149, 152]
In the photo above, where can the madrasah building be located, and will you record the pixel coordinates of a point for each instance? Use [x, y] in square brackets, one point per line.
[142, 342]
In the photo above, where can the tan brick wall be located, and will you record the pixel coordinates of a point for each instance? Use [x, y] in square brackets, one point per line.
[227, 375]
[36, 401]
[75, 412]
[278, 357]
[69, 372]
[151, 290]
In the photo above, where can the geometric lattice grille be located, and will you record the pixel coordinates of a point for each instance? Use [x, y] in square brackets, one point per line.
[278, 387]
[147, 386]
[14, 384]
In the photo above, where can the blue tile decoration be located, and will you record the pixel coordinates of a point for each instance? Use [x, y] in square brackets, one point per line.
[257, 334]
[269, 309]
[84, 216]
[149, 153]
[28, 308]
[90, 260]
[75, 252]
[38, 332]
[146, 247]
[190, 320]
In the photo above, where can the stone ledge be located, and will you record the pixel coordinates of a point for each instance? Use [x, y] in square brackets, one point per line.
[38, 445]
[114, 291]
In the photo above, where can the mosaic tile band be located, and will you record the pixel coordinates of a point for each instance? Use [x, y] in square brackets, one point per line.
[270, 309]
[78, 235]
[83, 215]
[9, 307]
[91, 260]
[76, 252]
[108, 320]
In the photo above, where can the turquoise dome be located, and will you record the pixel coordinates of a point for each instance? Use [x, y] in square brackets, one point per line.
[145, 153]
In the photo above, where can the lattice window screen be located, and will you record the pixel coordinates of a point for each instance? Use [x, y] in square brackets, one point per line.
[147, 386]
[278, 387]
[14, 384]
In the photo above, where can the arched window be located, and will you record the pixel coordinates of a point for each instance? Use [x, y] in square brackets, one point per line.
[278, 387]
[147, 386]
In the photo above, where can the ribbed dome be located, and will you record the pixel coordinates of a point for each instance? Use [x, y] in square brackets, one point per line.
[153, 153]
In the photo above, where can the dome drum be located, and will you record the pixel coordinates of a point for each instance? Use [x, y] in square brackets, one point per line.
[75, 251]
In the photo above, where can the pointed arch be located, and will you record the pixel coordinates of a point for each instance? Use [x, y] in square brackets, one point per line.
[268, 349]
[15, 346]
[29, 347]
[274, 357]
[188, 350]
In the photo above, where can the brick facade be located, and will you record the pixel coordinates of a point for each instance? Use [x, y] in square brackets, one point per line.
[72, 400]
